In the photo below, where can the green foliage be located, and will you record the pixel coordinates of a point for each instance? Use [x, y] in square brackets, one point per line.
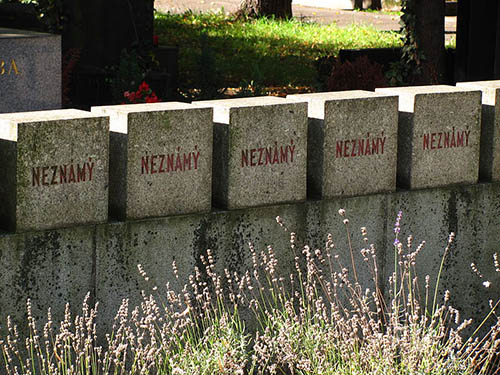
[285, 51]
[132, 69]
[50, 13]
[127, 75]
[412, 56]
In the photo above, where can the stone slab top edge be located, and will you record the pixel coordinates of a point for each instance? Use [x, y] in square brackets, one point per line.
[407, 93]
[242, 102]
[489, 89]
[118, 113]
[6, 33]
[142, 107]
[316, 101]
[222, 107]
[9, 121]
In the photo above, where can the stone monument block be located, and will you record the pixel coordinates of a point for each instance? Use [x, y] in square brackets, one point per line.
[30, 71]
[54, 169]
[160, 160]
[489, 160]
[352, 143]
[438, 136]
[260, 151]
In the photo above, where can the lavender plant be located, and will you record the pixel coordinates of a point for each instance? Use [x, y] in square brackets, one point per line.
[318, 320]
[329, 325]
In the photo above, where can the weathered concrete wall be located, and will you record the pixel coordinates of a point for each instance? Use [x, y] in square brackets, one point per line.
[58, 266]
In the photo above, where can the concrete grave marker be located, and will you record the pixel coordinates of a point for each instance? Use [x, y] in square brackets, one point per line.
[54, 169]
[352, 143]
[30, 71]
[489, 161]
[438, 136]
[260, 151]
[161, 159]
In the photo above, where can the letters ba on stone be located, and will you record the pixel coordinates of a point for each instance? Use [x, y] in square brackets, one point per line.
[260, 153]
[30, 71]
[438, 136]
[161, 159]
[54, 169]
[489, 160]
[352, 143]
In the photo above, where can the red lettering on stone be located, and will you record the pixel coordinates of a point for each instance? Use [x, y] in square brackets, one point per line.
[252, 155]
[261, 151]
[338, 149]
[59, 174]
[71, 174]
[144, 164]
[196, 155]
[162, 169]
[53, 181]
[284, 154]
[62, 174]
[346, 149]
[187, 162]
[453, 143]
[90, 167]
[80, 173]
[244, 158]
[170, 162]
[269, 154]
[368, 150]
[361, 146]
[178, 163]
[382, 142]
[433, 139]
[439, 140]
[426, 141]
[276, 158]
[374, 146]
[153, 164]
[45, 175]
[35, 176]
[446, 142]
[353, 152]
[460, 139]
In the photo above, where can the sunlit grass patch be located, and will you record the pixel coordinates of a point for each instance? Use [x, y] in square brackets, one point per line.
[268, 51]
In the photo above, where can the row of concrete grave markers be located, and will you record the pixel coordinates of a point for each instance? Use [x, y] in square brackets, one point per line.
[68, 167]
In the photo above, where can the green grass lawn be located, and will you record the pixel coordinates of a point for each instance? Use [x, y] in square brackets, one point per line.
[219, 51]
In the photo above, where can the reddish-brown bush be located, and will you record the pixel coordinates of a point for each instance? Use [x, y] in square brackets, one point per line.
[362, 74]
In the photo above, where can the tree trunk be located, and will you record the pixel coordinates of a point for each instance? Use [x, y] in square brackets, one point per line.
[266, 8]
[430, 36]
[376, 5]
[358, 4]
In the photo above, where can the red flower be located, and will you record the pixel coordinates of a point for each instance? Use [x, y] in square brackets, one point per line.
[143, 95]
[155, 40]
[144, 87]
[152, 98]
